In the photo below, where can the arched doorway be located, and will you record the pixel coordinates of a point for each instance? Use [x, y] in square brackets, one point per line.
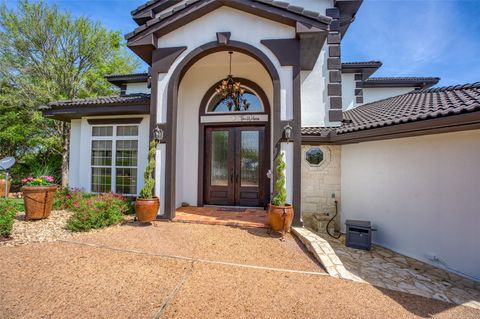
[234, 149]
[175, 80]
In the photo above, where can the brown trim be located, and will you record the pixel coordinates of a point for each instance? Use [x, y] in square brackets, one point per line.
[447, 124]
[223, 37]
[366, 69]
[287, 52]
[130, 120]
[385, 82]
[172, 104]
[203, 126]
[160, 27]
[162, 60]
[70, 113]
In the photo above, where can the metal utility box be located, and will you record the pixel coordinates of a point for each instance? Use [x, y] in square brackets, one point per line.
[359, 234]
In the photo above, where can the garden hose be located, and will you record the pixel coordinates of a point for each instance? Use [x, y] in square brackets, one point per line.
[331, 220]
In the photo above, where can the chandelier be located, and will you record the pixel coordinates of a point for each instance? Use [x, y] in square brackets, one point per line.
[232, 92]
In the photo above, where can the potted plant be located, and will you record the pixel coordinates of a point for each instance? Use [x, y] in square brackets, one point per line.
[147, 205]
[38, 196]
[4, 186]
[280, 214]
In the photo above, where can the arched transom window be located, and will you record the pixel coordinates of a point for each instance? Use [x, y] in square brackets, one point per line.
[219, 105]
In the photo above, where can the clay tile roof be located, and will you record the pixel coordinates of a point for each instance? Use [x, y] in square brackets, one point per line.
[411, 107]
[131, 99]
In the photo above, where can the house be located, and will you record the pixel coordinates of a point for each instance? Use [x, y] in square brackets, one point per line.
[390, 150]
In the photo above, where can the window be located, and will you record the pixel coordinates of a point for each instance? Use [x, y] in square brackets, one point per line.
[114, 159]
[314, 156]
[218, 105]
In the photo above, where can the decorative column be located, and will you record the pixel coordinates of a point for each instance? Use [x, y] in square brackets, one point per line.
[334, 66]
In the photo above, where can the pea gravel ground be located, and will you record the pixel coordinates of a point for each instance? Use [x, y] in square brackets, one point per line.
[173, 270]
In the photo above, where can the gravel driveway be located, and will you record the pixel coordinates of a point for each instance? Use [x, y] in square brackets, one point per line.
[174, 270]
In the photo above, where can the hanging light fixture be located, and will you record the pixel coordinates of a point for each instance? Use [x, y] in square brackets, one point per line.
[232, 92]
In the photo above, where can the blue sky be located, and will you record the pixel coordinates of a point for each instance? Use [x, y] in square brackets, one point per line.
[411, 37]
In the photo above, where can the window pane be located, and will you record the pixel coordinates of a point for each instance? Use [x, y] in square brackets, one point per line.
[219, 174]
[102, 131]
[314, 156]
[126, 181]
[250, 158]
[101, 153]
[101, 179]
[126, 153]
[127, 131]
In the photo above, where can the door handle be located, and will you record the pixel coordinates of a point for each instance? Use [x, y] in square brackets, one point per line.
[236, 178]
[231, 177]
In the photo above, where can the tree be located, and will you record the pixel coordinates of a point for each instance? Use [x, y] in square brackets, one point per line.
[48, 55]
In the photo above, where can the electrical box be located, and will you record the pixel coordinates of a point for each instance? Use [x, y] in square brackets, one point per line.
[359, 234]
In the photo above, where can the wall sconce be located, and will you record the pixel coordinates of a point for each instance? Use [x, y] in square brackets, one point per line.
[287, 132]
[157, 134]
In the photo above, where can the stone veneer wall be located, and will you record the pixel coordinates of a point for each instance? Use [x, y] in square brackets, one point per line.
[318, 184]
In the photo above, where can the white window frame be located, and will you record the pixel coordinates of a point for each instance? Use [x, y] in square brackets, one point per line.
[114, 138]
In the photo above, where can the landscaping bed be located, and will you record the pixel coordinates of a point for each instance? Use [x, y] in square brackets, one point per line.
[75, 212]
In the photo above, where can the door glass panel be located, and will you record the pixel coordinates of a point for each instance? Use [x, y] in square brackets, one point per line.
[250, 158]
[219, 158]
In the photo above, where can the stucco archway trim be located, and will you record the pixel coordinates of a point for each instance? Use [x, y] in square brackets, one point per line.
[172, 105]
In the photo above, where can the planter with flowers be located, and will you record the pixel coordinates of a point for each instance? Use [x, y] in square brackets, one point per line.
[38, 196]
[280, 214]
[147, 205]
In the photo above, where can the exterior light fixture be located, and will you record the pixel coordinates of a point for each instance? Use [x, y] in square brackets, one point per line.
[157, 134]
[287, 132]
[232, 92]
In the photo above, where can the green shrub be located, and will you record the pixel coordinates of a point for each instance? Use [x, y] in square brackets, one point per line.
[7, 216]
[96, 211]
[280, 197]
[149, 182]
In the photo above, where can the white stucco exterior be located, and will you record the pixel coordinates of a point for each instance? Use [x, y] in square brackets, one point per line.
[421, 193]
[140, 87]
[348, 91]
[376, 94]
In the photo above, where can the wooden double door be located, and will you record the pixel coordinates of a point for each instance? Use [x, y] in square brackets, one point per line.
[235, 166]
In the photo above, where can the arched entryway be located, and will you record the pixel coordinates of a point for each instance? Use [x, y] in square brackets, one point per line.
[171, 141]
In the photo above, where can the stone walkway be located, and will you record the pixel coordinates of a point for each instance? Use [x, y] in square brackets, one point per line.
[384, 268]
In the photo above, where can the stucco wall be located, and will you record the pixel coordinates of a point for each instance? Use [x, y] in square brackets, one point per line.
[137, 88]
[348, 91]
[375, 94]
[421, 193]
[319, 182]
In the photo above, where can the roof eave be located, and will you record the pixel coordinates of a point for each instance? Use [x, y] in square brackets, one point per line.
[71, 112]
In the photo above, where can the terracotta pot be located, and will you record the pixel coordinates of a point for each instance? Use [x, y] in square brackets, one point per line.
[38, 201]
[146, 209]
[3, 183]
[280, 217]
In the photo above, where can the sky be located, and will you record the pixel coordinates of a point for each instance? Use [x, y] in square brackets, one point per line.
[411, 37]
